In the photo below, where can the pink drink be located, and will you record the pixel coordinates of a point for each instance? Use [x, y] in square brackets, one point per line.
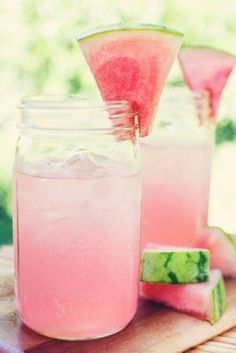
[175, 192]
[77, 249]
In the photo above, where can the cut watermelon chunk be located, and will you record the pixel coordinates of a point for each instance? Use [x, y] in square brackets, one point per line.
[222, 247]
[131, 62]
[162, 264]
[206, 69]
[205, 300]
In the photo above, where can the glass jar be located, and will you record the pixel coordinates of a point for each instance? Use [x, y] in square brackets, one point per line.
[77, 217]
[176, 171]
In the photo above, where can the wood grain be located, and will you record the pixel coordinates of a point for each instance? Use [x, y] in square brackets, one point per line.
[155, 329]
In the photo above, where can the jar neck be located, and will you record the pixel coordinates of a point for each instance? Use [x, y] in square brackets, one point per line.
[182, 120]
[181, 108]
[67, 137]
[71, 114]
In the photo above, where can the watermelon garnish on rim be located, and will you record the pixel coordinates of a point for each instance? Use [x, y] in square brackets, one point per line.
[207, 69]
[131, 62]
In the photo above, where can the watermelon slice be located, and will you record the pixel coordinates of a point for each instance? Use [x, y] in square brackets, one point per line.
[162, 264]
[222, 247]
[131, 62]
[206, 69]
[205, 300]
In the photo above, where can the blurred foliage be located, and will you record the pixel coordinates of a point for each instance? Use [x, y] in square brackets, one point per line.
[225, 131]
[39, 53]
[5, 218]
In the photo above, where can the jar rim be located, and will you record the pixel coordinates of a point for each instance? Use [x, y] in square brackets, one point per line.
[73, 106]
[69, 101]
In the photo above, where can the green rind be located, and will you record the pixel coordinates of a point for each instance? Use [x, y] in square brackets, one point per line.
[196, 47]
[119, 27]
[230, 238]
[219, 300]
[161, 266]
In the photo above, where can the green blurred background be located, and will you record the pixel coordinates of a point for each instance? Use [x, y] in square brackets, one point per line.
[39, 54]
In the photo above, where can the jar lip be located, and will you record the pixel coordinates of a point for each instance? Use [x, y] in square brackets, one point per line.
[71, 102]
[70, 112]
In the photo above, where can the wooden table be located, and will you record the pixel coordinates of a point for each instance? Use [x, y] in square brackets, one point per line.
[155, 329]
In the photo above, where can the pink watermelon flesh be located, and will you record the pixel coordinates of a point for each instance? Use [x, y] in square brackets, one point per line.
[204, 300]
[207, 69]
[132, 63]
[222, 247]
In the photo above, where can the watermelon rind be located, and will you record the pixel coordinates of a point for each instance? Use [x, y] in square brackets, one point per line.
[126, 27]
[200, 46]
[230, 237]
[179, 267]
[222, 247]
[205, 300]
[219, 300]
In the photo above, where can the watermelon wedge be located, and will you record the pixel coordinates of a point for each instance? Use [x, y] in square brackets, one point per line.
[222, 247]
[206, 69]
[131, 62]
[162, 264]
[206, 300]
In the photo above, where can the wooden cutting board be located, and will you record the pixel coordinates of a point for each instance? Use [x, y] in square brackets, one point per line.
[155, 329]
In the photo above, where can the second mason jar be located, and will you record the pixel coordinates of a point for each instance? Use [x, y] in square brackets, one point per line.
[176, 171]
[76, 217]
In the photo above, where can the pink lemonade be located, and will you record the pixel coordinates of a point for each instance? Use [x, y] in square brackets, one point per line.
[77, 252]
[175, 192]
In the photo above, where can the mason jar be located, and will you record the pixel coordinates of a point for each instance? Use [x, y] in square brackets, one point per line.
[76, 216]
[176, 170]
